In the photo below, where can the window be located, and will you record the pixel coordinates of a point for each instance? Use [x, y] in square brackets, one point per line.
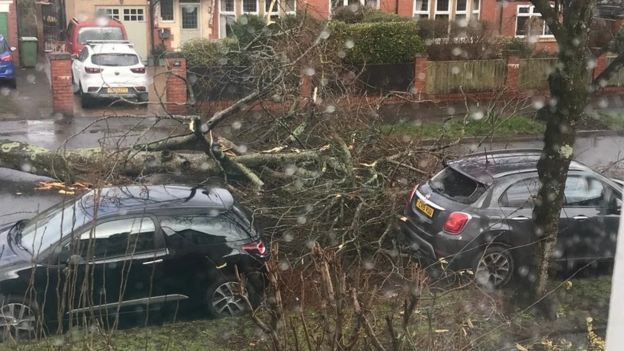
[226, 18]
[442, 10]
[461, 9]
[99, 33]
[202, 230]
[476, 9]
[584, 192]
[456, 186]
[290, 7]
[341, 3]
[421, 9]
[190, 15]
[112, 13]
[529, 22]
[115, 60]
[117, 238]
[250, 6]
[134, 15]
[520, 194]
[166, 10]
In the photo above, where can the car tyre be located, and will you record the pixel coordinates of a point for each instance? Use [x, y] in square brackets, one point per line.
[85, 101]
[18, 318]
[495, 267]
[223, 297]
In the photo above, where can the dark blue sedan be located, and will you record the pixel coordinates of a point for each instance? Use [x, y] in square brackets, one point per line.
[7, 68]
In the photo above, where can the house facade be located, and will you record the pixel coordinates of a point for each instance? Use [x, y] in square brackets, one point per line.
[177, 21]
[8, 24]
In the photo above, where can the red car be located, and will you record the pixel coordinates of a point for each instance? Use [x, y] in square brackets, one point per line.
[103, 28]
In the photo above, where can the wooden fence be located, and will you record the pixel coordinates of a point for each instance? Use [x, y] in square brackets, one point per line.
[445, 77]
[534, 72]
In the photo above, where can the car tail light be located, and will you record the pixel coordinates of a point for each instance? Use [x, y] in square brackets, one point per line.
[7, 58]
[456, 222]
[255, 248]
[92, 70]
[138, 70]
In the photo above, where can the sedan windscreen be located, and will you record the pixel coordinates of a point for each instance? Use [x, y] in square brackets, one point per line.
[456, 186]
[115, 60]
[99, 33]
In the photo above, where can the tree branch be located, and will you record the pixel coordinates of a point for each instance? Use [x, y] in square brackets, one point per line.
[549, 15]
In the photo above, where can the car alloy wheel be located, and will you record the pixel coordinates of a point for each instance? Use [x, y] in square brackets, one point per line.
[494, 268]
[226, 299]
[17, 321]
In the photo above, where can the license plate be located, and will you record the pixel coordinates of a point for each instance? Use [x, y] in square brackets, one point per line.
[117, 90]
[426, 209]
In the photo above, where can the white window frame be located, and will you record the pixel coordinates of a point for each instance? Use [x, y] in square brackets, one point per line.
[446, 13]
[173, 13]
[226, 14]
[419, 13]
[475, 11]
[346, 3]
[531, 13]
[458, 12]
[250, 12]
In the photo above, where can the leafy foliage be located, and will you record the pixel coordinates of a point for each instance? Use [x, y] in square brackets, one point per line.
[356, 13]
[377, 43]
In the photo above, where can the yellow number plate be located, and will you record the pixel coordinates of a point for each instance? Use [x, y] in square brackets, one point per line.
[428, 210]
[117, 90]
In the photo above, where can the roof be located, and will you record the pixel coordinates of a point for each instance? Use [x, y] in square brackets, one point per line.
[485, 167]
[122, 200]
[110, 48]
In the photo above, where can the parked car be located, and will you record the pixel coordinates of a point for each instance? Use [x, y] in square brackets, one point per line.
[7, 67]
[109, 69]
[477, 214]
[78, 33]
[128, 250]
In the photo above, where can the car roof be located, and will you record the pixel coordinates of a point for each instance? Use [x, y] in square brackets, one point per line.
[486, 166]
[112, 48]
[125, 200]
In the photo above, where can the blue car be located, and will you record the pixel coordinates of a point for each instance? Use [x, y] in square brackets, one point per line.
[7, 68]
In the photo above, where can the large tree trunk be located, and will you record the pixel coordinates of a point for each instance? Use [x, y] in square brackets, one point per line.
[569, 87]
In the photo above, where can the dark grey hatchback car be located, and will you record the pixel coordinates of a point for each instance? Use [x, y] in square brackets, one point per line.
[477, 214]
[133, 251]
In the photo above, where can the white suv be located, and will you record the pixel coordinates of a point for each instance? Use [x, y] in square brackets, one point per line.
[109, 69]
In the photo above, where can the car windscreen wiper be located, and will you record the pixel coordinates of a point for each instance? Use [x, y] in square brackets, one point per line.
[16, 229]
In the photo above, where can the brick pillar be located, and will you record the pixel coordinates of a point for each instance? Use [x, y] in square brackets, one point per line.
[177, 97]
[512, 83]
[61, 82]
[601, 64]
[420, 74]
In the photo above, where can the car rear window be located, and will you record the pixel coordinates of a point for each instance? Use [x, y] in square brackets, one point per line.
[456, 186]
[99, 33]
[115, 60]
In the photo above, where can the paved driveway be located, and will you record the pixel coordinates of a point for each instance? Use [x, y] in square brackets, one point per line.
[31, 100]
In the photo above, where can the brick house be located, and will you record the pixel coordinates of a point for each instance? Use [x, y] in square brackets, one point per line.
[8, 24]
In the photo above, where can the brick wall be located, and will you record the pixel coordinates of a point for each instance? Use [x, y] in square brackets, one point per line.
[13, 32]
[176, 86]
[61, 82]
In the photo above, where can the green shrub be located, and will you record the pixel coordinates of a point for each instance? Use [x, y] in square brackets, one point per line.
[248, 28]
[200, 53]
[377, 43]
[518, 46]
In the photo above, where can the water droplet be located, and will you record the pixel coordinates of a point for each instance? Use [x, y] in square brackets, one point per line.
[349, 44]
[309, 71]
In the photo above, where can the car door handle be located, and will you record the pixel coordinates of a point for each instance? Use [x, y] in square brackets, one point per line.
[152, 262]
[520, 218]
[580, 217]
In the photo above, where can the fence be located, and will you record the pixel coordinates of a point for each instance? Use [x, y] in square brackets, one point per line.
[534, 72]
[445, 77]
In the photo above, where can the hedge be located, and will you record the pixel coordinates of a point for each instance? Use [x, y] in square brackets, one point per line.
[377, 43]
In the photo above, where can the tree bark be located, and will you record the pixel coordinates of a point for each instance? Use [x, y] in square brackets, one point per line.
[79, 163]
[569, 87]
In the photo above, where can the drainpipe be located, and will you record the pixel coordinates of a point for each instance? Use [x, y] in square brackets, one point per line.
[152, 14]
[500, 17]
[396, 3]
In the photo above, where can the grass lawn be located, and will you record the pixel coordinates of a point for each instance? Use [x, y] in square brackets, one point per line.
[457, 128]
[460, 317]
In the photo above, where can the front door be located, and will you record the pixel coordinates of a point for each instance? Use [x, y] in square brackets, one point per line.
[191, 20]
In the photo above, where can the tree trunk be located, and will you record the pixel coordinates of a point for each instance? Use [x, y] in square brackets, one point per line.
[569, 88]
